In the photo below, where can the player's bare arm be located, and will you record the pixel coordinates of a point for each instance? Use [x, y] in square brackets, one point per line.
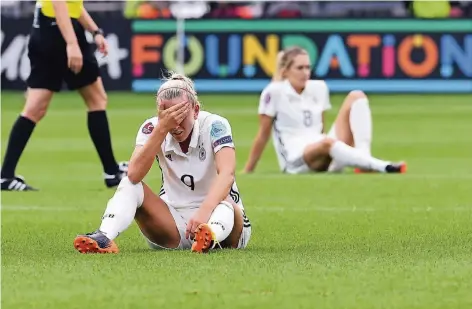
[74, 55]
[87, 22]
[225, 160]
[260, 142]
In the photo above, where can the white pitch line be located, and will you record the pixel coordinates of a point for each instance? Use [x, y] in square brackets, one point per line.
[344, 175]
[20, 208]
[347, 176]
[43, 208]
[357, 209]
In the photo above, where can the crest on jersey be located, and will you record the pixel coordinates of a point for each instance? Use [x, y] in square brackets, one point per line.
[218, 129]
[202, 154]
[147, 128]
[267, 98]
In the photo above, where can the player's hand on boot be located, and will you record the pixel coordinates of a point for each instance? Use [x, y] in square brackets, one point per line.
[198, 218]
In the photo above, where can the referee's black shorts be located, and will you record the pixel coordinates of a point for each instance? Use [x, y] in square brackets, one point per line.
[48, 57]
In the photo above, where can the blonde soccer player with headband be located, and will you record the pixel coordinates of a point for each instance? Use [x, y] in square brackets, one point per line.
[293, 108]
[198, 206]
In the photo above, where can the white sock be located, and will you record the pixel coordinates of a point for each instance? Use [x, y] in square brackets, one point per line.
[121, 208]
[349, 156]
[222, 221]
[360, 119]
[336, 167]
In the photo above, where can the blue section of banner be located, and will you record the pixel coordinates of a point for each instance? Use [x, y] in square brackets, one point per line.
[381, 86]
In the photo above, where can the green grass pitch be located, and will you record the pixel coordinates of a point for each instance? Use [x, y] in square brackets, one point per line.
[319, 241]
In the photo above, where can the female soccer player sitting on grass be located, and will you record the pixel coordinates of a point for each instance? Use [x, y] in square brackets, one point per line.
[199, 206]
[293, 106]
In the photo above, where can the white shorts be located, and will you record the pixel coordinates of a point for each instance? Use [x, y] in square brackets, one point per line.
[182, 216]
[295, 149]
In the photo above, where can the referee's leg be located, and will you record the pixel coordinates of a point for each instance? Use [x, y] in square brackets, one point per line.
[89, 84]
[45, 78]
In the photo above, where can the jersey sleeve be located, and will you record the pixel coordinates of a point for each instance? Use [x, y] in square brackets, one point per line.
[325, 97]
[145, 131]
[220, 134]
[267, 102]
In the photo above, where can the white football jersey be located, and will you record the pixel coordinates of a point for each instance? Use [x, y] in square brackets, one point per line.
[297, 117]
[187, 178]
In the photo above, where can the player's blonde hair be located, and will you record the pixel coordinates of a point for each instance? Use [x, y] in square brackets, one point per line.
[175, 86]
[285, 60]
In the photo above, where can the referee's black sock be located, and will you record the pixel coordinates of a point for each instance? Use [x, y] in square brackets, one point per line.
[19, 136]
[99, 130]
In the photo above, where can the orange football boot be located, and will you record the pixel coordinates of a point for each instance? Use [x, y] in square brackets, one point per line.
[95, 242]
[204, 239]
[398, 168]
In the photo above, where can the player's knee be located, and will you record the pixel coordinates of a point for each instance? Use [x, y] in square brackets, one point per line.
[316, 153]
[34, 115]
[133, 176]
[94, 96]
[326, 144]
[128, 187]
[356, 94]
[35, 110]
[102, 100]
[127, 182]
[226, 205]
[97, 102]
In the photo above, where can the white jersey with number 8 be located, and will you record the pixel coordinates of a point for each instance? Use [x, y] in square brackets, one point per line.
[297, 118]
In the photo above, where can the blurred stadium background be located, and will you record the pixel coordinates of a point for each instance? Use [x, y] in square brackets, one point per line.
[394, 46]
[337, 241]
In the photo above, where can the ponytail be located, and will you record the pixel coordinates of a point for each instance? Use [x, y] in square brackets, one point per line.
[278, 67]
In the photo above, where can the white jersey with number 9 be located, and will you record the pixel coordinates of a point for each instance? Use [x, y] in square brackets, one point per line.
[188, 177]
